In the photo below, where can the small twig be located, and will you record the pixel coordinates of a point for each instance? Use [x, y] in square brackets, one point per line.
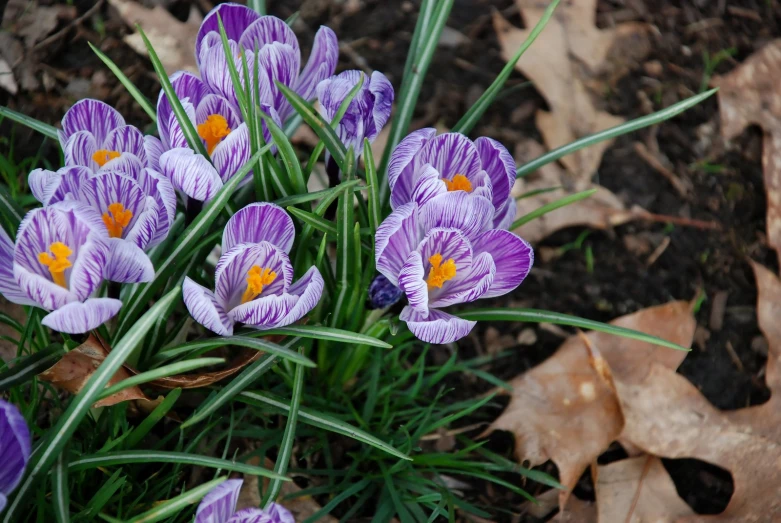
[659, 167]
[62, 32]
[677, 220]
[636, 497]
[744, 13]
[452, 432]
[658, 251]
[734, 356]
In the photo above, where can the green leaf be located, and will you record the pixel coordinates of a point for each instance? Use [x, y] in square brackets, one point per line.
[193, 140]
[289, 158]
[345, 261]
[541, 316]
[259, 6]
[131, 457]
[161, 372]
[320, 420]
[238, 341]
[230, 60]
[178, 255]
[61, 433]
[288, 437]
[328, 333]
[295, 199]
[30, 366]
[375, 204]
[159, 413]
[60, 493]
[607, 134]
[131, 88]
[11, 211]
[36, 125]
[174, 506]
[313, 220]
[468, 121]
[552, 206]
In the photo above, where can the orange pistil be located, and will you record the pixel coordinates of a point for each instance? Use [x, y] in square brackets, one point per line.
[440, 272]
[58, 263]
[103, 156]
[458, 183]
[257, 278]
[116, 219]
[213, 130]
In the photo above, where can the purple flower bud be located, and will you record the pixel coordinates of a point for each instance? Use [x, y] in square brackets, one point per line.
[382, 293]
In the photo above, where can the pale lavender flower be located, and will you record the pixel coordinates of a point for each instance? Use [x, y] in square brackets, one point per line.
[368, 111]
[219, 506]
[423, 166]
[94, 134]
[254, 276]
[14, 449]
[447, 252]
[57, 263]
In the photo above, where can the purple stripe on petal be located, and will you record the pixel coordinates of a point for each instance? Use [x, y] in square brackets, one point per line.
[250, 515]
[265, 312]
[280, 62]
[107, 188]
[206, 309]
[153, 148]
[187, 87]
[8, 286]
[79, 150]
[93, 116]
[505, 216]
[15, 445]
[513, 258]
[321, 64]
[308, 289]
[159, 188]
[127, 263]
[78, 317]
[448, 243]
[86, 275]
[235, 18]
[40, 181]
[127, 163]
[500, 166]
[470, 213]
[267, 30]
[145, 225]
[401, 165]
[216, 104]
[412, 280]
[397, 236]
[469, 284]
[232, 153]
[440, 327]
[234, 266]
[429, 185]
[216, 74]
[382, 90]
[279, 514]
[260, 222]
[451, 154]
[45, 293]
[126, 139]
[190, 173]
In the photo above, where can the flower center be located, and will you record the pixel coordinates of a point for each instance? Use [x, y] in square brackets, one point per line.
[116, 219]
[256, 279]
[440, 272]
[59, 263]
[458, 183]
[103, 156]
[213, 130]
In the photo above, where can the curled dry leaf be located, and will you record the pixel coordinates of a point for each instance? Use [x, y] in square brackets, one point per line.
[565, 411]
[77, 366]
[749, 95]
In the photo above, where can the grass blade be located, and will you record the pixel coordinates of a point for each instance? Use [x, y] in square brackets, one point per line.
[131, 88]
[316, 195]
[45, 129]
[373, 192]
[162, 372]
[288, 154]
[552, 206]
[30, 366]
[174, 506]
[238, 341]
[330, 334]
[541, 316]
[159, 413]
[313, 220]
[607, 134]
[468, 121]
[60, 493]
[345, 261]
[259, 6]
[61, 433]
[11, 211]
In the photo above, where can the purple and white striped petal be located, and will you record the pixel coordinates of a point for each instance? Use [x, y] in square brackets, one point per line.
[259, 222]
[451, 154]
[206, 309]
[500, 166]
[93, 116]
[235, 18]
[190, 90]
[50, 187]
[153, 148]
[470, 283]
[412, 280]
[232, 153]
[230, 277]
[220, 503]
[216, 74]
[505, 216]
[91, 258]
[401, 165]
[321, 64]
[279, 514]
[308, 289]
[107, 188]
[439, 327]
[265, 312]
[429, 185]
[383, 94]
[145, 225]
[127, 164]
[190, 173]
[42, 291]
[79, 317]
[8, 286]
[448, 243]
[397, 236]
[280, 62]
[249, 515]
[126, 139]
[216, 104]
[15, 447]
[470, 213]
[127, 263]
[512, 256]
[162, 191]
[267, 30]
[79, 150]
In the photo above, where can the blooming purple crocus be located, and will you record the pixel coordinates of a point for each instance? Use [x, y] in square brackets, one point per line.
[137, 207]
[57, 264]
[219, 506]
[444, 253]
[423, 166]
[94, 133]
[279, 55]
[14, 449]
[254, 276]
[368, 111]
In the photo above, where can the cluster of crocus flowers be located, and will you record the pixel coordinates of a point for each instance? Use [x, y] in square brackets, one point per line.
[445, 252]
[219, 506]
[15, 447]
[254, 276]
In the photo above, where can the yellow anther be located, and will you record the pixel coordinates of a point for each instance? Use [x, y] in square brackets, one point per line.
[116, 219]
[440, 272]
[103, 156]
[257, 278]
[458, 183]
[213, 130]
[58, 263]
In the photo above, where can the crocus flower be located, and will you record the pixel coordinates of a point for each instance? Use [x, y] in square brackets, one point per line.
[137, 207]
[14, 449]
[368, 111]
[423, 166]
[219, 506]
[57, 264]
[279, 55]
[444, 253]
[94, 133]
[254, 276]
[382, 293]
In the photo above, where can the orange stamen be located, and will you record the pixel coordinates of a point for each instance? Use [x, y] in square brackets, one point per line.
[440, 272]
[103, 156]
[213, 130]
[116, 219]
[257, 278]
[58, 263]
[458, 183]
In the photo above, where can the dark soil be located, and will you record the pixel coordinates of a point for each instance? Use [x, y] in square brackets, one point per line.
[727, 180]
